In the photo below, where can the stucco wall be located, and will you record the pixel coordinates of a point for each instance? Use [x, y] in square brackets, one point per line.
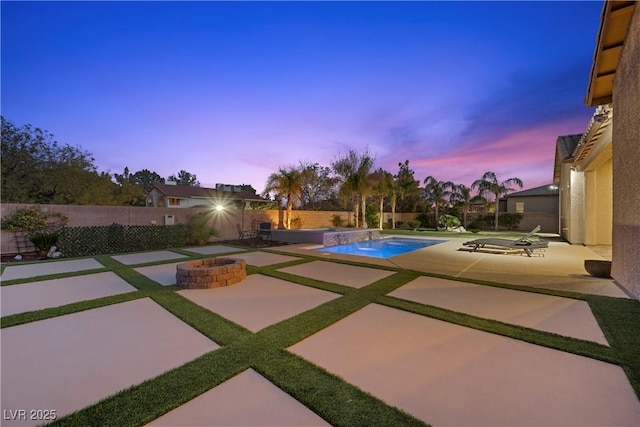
[626, 158]
[224, 222]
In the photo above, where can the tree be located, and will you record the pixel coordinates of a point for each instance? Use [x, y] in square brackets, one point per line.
[317, 184]
[37, 169]
[185, 178]
[461, 195]
[353, 173]
[437, 193]
[383, 186]
[407, 187]
[489, 184]
[287, 183]
[145, 179]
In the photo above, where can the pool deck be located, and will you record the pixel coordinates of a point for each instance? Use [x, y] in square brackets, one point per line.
[436, 371]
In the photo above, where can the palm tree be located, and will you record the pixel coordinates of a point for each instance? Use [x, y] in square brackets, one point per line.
[353, 171]
[437, 192]
[489, 184]
[287, 183]
[462, 195]
[382, 186]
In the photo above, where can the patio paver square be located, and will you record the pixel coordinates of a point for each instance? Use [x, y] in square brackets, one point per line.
[69, 362]
[341, 274]
[261, 259]
[447, 374]
[144, 257]
[259, 301]
[214, 250]
[51, 267]
[54, 293]
[164, 274]
[248, 399]
[564, 316]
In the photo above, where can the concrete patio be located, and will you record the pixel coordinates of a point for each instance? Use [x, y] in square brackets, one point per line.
[438, 372]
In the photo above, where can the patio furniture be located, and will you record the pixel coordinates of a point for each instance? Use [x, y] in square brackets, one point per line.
[243, 234]
[264, 233]
[525, 243]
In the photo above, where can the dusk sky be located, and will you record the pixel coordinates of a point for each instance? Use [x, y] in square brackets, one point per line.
[230, 91]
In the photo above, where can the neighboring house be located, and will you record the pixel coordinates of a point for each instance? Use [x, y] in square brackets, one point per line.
[171, 195]
[599, 176]
[538, 205]
[543, 199]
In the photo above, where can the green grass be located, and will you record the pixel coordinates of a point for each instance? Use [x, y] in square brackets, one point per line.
[335, 400]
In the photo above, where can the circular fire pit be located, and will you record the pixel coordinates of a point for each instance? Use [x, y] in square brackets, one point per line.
[211, 273]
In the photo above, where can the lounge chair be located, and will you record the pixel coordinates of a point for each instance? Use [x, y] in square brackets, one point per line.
[524, 243]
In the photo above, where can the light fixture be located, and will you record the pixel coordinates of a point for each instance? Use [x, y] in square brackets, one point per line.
[219, 208]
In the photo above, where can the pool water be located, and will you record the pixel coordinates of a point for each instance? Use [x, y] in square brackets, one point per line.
[383, 248]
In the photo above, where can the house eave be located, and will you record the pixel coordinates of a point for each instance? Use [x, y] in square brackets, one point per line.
[614, 25]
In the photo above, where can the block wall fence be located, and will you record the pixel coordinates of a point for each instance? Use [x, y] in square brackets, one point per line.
[224, 222]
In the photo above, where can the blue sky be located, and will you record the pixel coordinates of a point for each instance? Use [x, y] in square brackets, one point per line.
[230, 91]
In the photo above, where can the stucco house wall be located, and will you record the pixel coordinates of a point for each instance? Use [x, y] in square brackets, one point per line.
[625, 267]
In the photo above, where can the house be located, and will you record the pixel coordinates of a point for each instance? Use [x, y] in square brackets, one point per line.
[584, 172]
[598, 174]
[170, 195]
[539, 206]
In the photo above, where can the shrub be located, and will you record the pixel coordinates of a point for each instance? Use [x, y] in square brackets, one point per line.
[337, 221]
[199, 231]
[98, 240]
[510, 220]
[414, 224]
[43, 240]
[296, 223]
[425, 219]
[448, 221]
[32, 219]
[371, 215]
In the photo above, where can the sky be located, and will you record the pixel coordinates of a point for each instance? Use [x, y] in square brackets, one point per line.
[232, 91]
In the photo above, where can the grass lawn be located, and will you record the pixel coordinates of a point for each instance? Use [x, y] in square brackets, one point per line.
[335, 400]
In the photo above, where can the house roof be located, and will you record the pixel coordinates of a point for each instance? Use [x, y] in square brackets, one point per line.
[189, 192]
[565, 146]
[543, 190]
[614, 25]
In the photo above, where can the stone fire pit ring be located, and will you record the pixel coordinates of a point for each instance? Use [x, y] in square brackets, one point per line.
[210, 273]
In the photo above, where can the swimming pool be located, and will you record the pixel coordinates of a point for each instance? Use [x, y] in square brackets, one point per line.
[382, 248]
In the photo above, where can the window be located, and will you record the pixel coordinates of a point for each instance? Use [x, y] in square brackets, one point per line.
[174, 202]
[519, 207]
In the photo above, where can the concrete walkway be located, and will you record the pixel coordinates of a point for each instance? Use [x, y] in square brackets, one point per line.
[561, 267]
[450, 375]
[441, 373]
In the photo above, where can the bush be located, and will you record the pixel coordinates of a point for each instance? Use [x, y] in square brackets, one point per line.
[43, 240]
[414, 224]
[199, 231]
[371, 216]
[509, 220]
[425, 220]
[89, 241]
[296, 223]
[32, 219]
[448, 221]
[337, 221]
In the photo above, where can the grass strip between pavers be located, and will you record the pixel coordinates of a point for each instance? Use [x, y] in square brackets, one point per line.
[619, 319]
[76, 307]
[335, 400]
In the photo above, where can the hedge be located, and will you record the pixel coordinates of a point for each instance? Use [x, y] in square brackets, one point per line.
[89, 241]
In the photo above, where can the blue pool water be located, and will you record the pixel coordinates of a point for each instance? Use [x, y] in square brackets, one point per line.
[383, 248]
